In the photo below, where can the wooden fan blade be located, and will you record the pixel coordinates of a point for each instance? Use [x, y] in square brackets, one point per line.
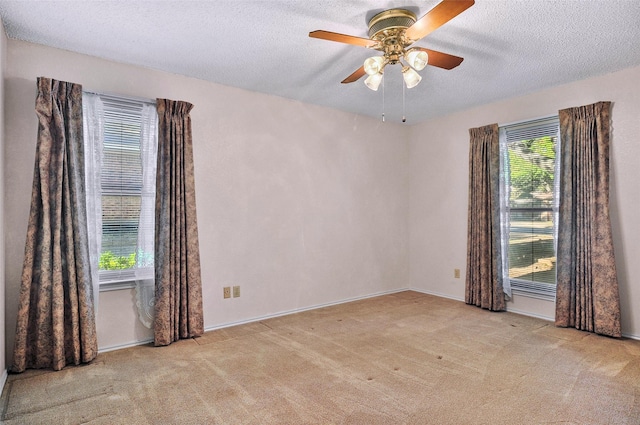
[436, 17]
[342, 38]
[441, 60]
[355, 76]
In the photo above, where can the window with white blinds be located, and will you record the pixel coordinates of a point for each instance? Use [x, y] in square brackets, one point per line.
[127, 202]
[529, 206]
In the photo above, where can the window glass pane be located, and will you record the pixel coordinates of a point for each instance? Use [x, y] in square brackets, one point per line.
[121, 183]
[532, 165]
[531, 239]
[121, 169]
[531, 248]
[529, 161]
[120, 215]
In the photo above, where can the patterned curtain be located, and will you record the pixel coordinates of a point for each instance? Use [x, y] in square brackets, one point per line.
[56, 322]
[587, 294]
[178, 304]
[483, 286]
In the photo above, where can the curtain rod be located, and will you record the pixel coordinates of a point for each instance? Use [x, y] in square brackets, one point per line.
[120, 96]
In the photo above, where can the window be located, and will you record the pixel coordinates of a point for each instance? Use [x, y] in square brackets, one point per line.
[529, 205]
[122, 185]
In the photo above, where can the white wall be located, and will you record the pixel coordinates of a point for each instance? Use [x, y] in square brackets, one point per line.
[302, 205]
[299, 205]
[439, 182]
[3, 363]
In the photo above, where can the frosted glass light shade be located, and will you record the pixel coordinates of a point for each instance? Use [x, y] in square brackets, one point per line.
[411, 77]
[373, 65]
[373, 81]
[418, 59]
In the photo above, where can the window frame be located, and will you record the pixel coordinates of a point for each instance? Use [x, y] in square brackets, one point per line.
[519, 131]
[131, 109]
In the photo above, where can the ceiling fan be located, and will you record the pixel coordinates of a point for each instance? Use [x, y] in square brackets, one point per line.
[392, 32]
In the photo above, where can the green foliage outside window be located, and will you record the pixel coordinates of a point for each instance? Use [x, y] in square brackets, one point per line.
[532, 166]
[110, 261]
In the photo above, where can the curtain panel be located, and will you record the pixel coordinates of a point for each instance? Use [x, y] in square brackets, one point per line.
[56, 321]
[587, 295]
[145, 287]
[93, 118]
[178, 303]
[483, 286]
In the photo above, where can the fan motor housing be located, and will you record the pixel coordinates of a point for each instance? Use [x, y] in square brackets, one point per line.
[390, 22]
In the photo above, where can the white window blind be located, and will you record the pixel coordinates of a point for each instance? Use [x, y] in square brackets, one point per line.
[126, 189]
[529, 204]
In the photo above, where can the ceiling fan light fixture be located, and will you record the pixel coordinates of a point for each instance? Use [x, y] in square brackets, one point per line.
[373, 65]
[411, 77]
[417, 58]
[373, 81]
[392, 32]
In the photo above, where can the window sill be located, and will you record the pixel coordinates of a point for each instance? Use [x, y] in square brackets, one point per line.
[541, 291]
[536, 295]
[115, 280]
[117, 286]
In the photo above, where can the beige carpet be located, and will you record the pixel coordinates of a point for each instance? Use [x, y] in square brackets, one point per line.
[406, 358]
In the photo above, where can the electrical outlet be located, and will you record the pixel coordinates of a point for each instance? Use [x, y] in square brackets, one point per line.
[226, 292]
[456, 273]
[236, 291]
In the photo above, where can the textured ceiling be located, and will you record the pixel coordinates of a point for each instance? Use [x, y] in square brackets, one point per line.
[510, 47]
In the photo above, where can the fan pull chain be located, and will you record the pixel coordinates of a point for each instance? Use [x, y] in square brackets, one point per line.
[403, 108]
[383, 99]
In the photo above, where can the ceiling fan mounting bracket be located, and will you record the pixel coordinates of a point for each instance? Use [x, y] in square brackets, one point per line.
[392, 32]
[388, 28]
[389, 22]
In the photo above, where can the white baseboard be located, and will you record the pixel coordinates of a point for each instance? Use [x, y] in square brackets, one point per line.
[529, 314]
[513, 310]
[631, 336]
[316, 306]
[258, 318]
[437, 294]
[300, 310]
[125, 345]
[3, 380]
